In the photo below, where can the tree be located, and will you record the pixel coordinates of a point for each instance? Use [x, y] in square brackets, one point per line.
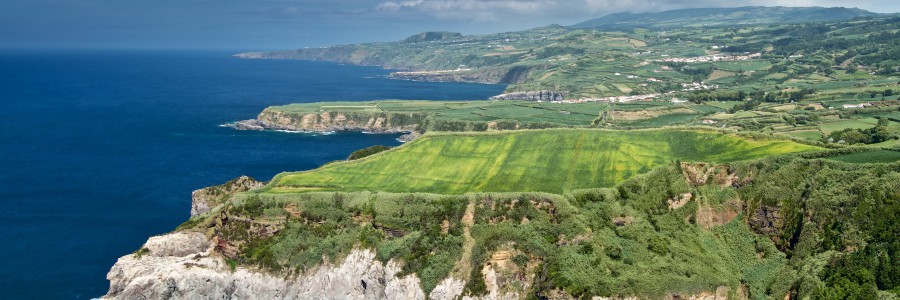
[879, 133]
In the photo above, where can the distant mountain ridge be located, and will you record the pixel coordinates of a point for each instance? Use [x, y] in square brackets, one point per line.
[432, 36]
[699, 17]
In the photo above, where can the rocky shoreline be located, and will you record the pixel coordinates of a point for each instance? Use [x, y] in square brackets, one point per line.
[255, 124]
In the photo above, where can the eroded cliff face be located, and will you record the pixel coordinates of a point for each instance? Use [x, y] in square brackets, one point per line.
[332, 121]
[184, 265]
[481, 75]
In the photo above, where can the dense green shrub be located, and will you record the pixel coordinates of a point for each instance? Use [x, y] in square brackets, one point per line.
[367, 151]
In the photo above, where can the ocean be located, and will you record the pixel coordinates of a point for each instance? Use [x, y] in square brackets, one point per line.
[100, 150]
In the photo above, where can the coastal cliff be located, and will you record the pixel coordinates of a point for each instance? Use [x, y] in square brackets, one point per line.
[376, 122]
[684, 230]
[533, 96]
[198, 262]
[481, 75]
[406, 116]
[222, 253]
[184, 265]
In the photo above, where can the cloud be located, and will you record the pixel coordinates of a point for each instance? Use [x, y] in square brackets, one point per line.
[501, 10]
[476, 10]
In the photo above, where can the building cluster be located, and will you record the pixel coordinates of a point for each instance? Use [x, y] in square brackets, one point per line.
[711, 58]
[697, 86]
[859, 105]
[686, 87]
[630, 98]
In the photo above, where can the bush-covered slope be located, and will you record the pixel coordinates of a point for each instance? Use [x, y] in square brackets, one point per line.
[553, 161]
[754, 229]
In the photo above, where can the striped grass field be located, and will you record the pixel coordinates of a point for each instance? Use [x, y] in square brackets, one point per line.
[555, 161]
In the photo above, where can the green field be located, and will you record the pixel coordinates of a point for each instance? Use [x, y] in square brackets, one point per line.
[830, 127]
[660, 121]
[874, 156]
[806, 134]
[553, 161]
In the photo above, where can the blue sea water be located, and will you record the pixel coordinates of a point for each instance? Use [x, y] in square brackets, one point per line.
[101, 149]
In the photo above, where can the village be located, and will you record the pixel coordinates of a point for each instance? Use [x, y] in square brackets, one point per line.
[686, 87]
[709, 58]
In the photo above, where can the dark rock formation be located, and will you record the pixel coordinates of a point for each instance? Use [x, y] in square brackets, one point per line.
[252, 124]
[480, 75]
[767, 220]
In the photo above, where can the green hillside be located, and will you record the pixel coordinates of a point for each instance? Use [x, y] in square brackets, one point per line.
[554, 161]
[698, 17]
[766, 52]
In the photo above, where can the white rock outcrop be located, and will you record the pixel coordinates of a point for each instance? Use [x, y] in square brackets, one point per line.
[181, 265]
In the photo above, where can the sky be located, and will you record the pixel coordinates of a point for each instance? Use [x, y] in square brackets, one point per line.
[290, 24]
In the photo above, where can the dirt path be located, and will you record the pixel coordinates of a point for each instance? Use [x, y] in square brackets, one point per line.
[464, 265]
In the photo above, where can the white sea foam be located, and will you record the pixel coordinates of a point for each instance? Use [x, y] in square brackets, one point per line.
[290, 131]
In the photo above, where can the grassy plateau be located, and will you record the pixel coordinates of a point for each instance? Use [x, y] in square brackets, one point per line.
[553, 161]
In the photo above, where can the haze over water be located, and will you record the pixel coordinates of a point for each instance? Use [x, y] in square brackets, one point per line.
[101, 149]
